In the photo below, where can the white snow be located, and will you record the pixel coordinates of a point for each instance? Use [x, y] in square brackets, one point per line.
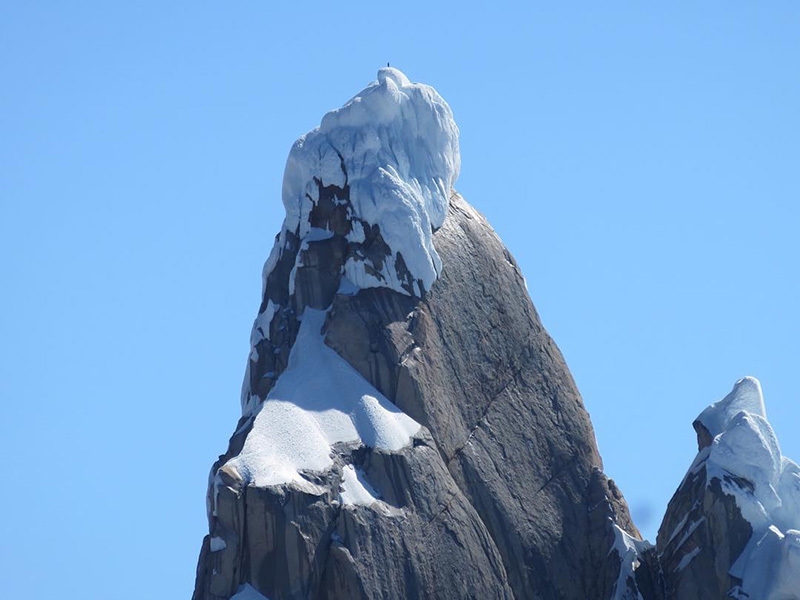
[398, 142]
[770, 565]
[787, 515]
[745, 447]
[319, 400]
[216, 544]
[746, 396]
[785, 578]
[259, 332]
[687, 558]
[261, 324]
[629, 549]
[248, 592]
[315, 234]
[679, 526]
[379, 427]
[355, 488]
[357, 233]
[347, 287]
[689, 531]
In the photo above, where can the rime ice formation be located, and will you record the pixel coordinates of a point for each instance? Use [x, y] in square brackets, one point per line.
[394, 146]
[630, 551]
[734, 518]
[743, 445]
[745, 397]
[745, 456]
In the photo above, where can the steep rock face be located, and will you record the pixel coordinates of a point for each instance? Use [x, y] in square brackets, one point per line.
[409, 429]
[504, 411]
[702, 535]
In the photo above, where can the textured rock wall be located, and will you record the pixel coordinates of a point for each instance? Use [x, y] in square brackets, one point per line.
[702, 535]
[473, 364]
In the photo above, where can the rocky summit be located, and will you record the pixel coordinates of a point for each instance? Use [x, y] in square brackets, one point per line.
[410, 430]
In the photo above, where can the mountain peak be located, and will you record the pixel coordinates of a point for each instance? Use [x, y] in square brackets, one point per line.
[396, 76]
[364, 193]
[746, 396]
[406, 430]
[379, 172]
[731, 528]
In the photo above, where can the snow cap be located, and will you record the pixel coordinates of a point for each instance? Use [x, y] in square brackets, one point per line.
[746, 396]
[745, 457]
[394, 146]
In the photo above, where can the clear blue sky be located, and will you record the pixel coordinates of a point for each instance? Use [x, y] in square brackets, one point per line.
[640, 161]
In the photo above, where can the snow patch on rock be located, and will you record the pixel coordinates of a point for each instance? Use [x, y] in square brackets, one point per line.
[216, 544]
[355, 489]
[687, 558]
[687, 532]
[629, 549]
[318, 401]
[248, 592]
[378, 427]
